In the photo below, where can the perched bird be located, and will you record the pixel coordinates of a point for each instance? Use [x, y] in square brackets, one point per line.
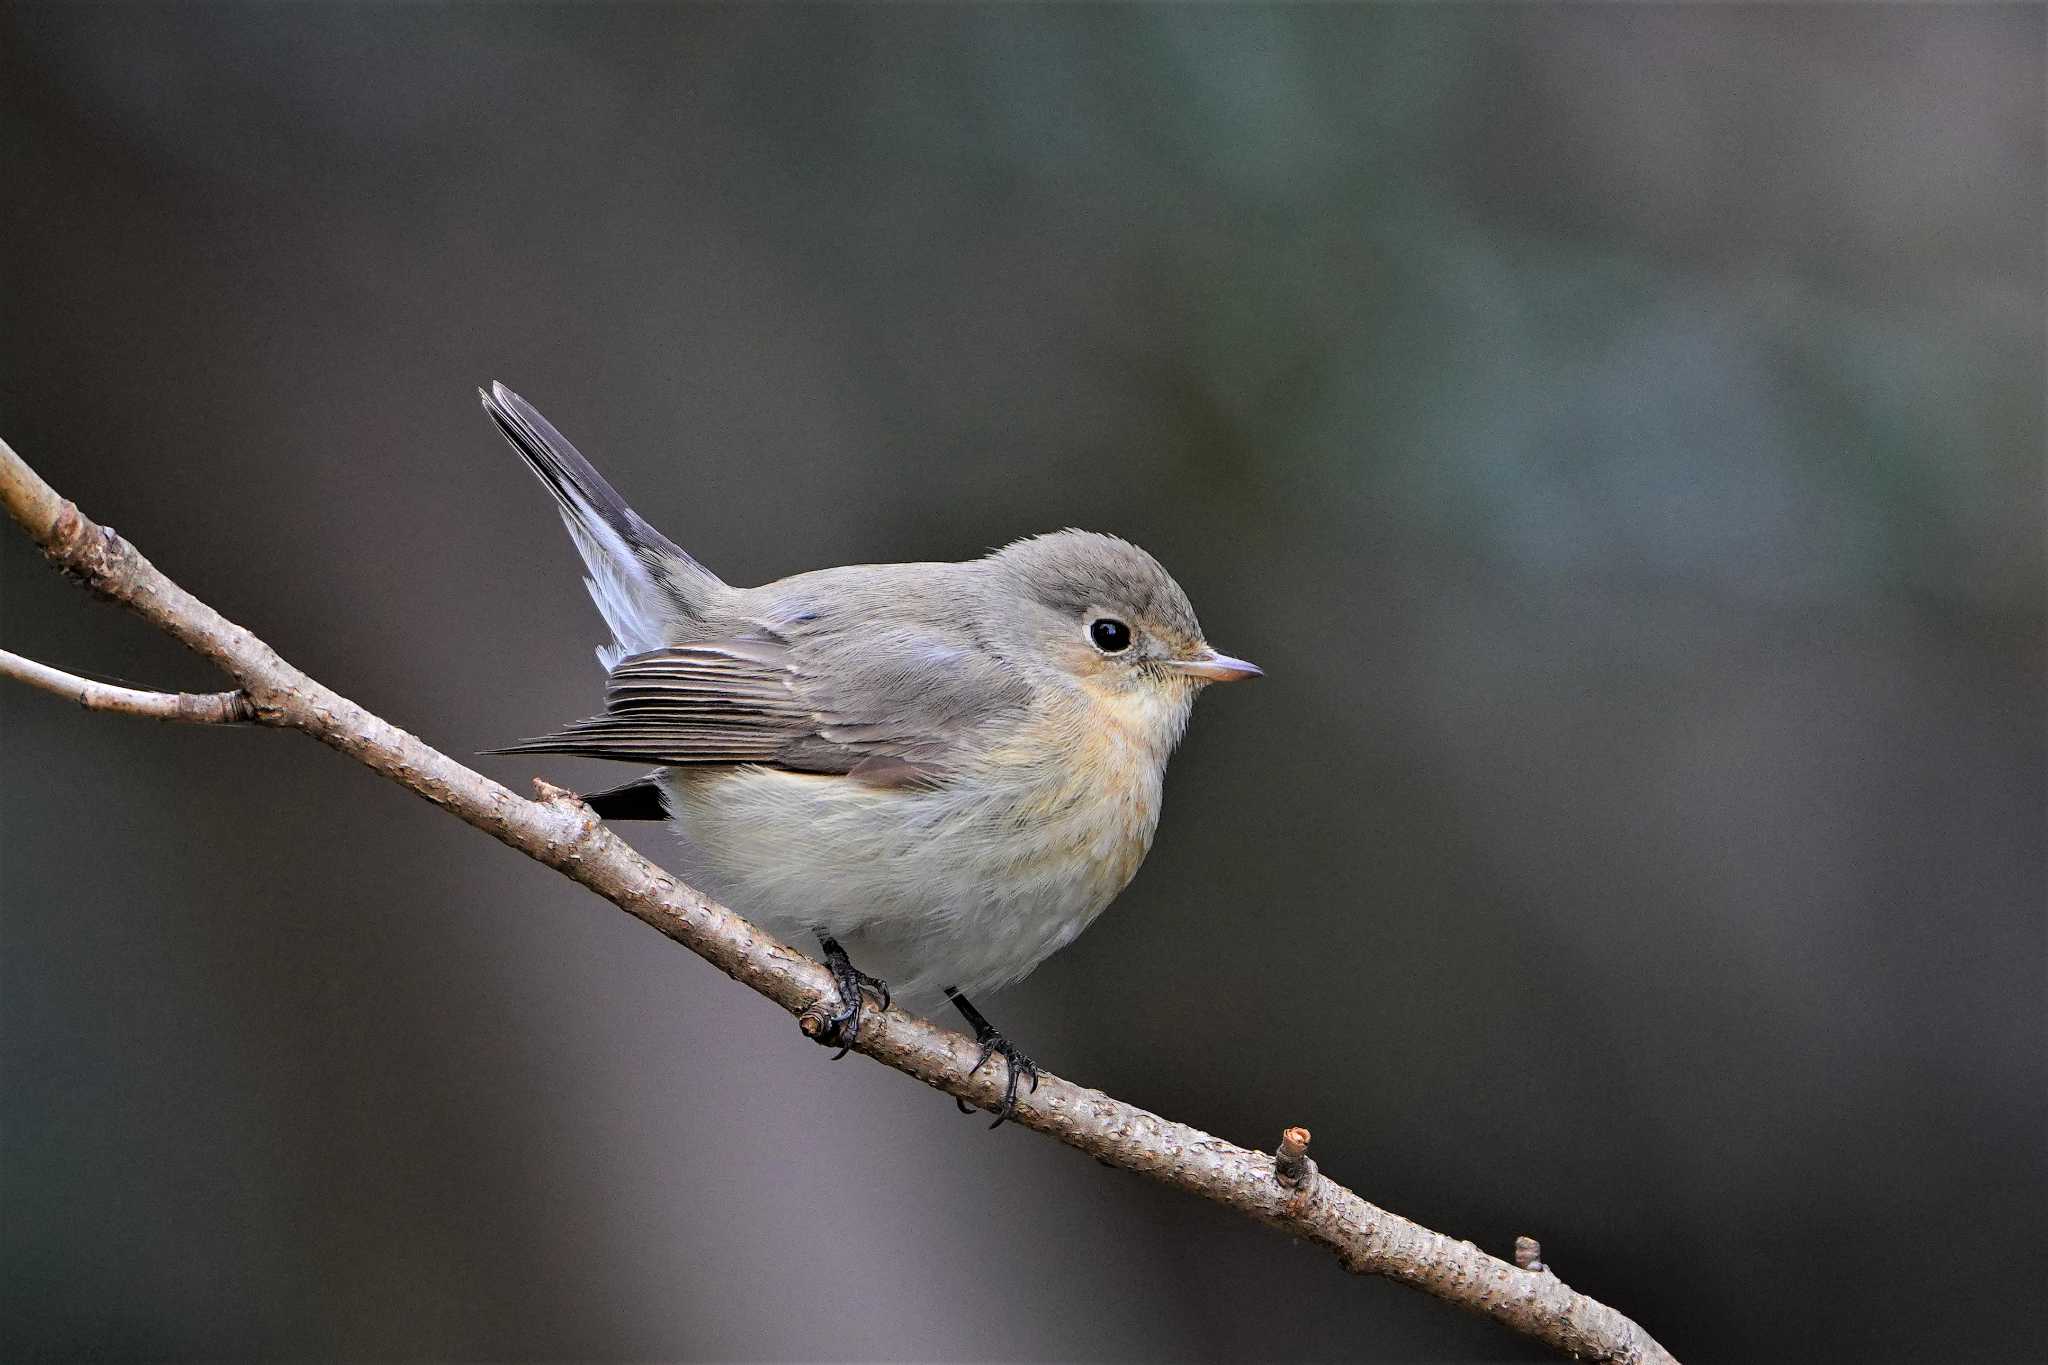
[950, 769]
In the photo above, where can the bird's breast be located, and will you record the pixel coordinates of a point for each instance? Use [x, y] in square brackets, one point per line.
[970, 883]
[1084, 779]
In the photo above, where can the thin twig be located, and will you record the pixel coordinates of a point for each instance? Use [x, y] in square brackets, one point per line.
[561, 831]
[192, 708]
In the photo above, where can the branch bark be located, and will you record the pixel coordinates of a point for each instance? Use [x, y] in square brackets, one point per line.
[557, 829]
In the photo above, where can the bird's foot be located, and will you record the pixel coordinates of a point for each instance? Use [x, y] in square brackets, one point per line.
[994, 1044]
[841, 1028]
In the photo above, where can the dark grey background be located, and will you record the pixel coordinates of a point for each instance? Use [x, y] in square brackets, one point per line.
[1617, 429]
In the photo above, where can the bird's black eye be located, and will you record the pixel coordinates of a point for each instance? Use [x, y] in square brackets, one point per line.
[1110, 635]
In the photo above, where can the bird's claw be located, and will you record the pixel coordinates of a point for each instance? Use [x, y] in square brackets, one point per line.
[1016, 1064]
[841, 1028]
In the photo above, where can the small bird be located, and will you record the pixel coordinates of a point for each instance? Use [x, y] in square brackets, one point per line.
[953, 768]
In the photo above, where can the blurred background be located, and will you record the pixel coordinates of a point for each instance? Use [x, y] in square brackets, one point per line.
[1618, 431]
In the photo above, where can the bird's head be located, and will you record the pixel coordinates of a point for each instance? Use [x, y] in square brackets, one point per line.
[1105, 615]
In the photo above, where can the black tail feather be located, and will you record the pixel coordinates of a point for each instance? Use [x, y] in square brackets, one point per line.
[640, 799]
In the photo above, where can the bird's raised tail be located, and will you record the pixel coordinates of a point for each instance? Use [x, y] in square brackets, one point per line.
[642, 581]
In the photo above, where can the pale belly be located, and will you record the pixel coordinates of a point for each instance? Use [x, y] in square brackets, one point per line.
[970, 886]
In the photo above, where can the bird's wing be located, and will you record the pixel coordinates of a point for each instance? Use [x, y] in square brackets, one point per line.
[898, 708]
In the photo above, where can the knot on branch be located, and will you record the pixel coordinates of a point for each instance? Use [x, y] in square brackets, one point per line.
[815, 1017]
[1529, 1254]
[1291, 1164]
[548, 793]
[215, 708]
[79, 546]
[588, 830]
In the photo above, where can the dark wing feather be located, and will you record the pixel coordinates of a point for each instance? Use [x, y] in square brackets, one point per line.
[687, 704]
[892, 710]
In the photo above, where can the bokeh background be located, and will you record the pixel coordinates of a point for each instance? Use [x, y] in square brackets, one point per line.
[1617, 429]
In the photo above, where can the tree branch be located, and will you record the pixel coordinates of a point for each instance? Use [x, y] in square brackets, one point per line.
[193, 708]
[559, 830]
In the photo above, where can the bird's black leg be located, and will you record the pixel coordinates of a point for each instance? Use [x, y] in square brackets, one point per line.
[842, 1029]
[994, 1044]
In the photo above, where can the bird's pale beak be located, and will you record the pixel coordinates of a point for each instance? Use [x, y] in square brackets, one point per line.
[1215, 667]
